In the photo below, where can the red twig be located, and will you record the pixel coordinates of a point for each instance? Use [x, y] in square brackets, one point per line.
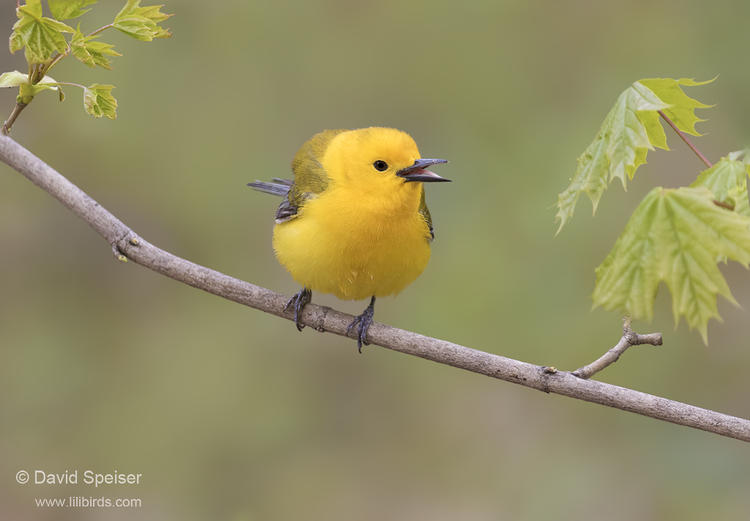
[687, 141]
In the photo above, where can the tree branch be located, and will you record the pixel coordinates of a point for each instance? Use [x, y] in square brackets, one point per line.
[126, 243]
[629, 338]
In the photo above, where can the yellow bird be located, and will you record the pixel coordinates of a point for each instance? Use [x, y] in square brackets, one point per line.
[354, 222]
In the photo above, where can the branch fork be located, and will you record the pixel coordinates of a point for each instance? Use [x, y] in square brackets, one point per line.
[629, 338]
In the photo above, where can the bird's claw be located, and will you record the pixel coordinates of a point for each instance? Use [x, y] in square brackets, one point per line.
[363, 321]
[298, 302]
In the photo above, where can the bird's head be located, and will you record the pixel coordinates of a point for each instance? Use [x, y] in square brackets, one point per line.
[378, 160]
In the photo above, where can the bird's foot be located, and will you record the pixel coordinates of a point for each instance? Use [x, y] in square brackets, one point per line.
[297, 302]
[363, 322]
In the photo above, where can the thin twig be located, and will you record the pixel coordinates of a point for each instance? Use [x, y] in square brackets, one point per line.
[12, 118]
[37, 73]
[127, 245]
[697, 152]
[629, 338]
[687, 141]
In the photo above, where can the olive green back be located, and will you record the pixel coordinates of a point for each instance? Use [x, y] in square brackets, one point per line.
[309, 175]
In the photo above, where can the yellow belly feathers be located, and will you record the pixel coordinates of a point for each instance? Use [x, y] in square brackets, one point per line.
[355, 247]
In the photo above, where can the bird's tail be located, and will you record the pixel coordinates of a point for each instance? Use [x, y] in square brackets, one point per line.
[277, 186]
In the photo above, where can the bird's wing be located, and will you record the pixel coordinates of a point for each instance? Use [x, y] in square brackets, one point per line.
[310, 177]
[425, 212]
[280, 187]
[277, 186]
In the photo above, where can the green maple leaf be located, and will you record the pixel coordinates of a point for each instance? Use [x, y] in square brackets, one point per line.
[677, 236]
[629, 131]
[681, 109]
[98, 101]
[727, 180]
[65, 9]
[42, 37]
[142, 23]
[27, 91]
[90, 51]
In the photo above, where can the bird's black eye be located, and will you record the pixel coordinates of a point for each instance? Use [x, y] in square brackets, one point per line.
[380, 165]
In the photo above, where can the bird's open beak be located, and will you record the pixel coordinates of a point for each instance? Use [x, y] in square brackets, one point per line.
[418, 171]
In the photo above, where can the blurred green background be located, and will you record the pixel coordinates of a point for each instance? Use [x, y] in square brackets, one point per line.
[231, 414]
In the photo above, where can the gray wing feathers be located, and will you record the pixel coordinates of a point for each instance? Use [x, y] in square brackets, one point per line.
[278, 187]
[281, 187]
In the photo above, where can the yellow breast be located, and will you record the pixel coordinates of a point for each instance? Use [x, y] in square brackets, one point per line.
[354, 246]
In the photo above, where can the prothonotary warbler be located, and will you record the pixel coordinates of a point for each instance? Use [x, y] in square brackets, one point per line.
[354, 221]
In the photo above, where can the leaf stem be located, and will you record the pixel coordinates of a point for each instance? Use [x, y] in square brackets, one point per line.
[722, 204]
[687, 141]
[35, 73]
[60, 56]
[12, 118]
[56, 59]
[69, 84]
[697, 153]
[100, 30]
